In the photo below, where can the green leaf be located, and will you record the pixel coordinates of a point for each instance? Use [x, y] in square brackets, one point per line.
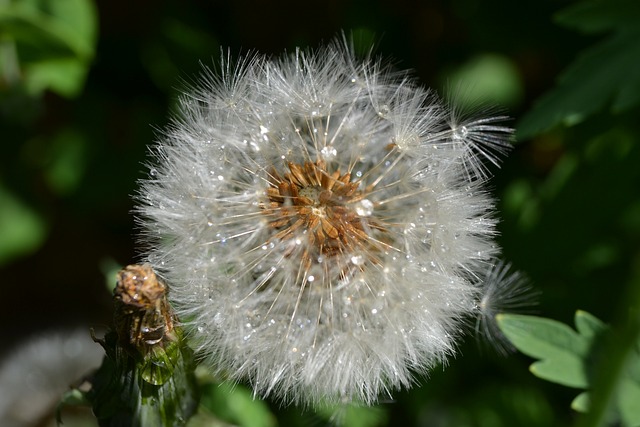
[353, 415]
[560, 349]
[66, 161]
[598, 15]
[235, 404]
[64, 76]
[588, 325]
[581, 402]
[22, 229]
[629, 401]
[54, 42]
[492, 78]
[67, 26]
[598, 79]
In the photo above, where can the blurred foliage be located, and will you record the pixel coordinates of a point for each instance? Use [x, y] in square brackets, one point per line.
[574, 359]
[78, 108]
[47, 44]
[601, 77]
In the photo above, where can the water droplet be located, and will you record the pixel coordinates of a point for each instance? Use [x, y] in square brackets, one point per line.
[364, 207]
[460, 133]
[374, 311]
[329, 152]
[311, 278]
[357, 259]
[384, 110]
[153, 172]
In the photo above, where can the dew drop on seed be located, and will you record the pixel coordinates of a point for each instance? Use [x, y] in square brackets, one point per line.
[460, 133]
[329, 152]
[364, 207]
[357, 260]
[384, 110]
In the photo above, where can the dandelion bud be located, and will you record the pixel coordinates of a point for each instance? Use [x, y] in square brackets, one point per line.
[321, 221]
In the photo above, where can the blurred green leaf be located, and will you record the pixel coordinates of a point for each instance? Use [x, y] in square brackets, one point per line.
[235, 404]
[491, 78]
[21, 228]
[55, 42]
[629, 401]
[589, 326]
[67, 26]
[566, 357]
[560, 349]
[600, 15]
[64, 76]
[67, 161]
[601, 76]
[581, 402]
[354, 416]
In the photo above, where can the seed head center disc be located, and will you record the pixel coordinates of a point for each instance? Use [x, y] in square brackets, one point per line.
[308, 200]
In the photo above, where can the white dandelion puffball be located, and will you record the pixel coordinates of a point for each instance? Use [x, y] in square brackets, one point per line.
[322, 222]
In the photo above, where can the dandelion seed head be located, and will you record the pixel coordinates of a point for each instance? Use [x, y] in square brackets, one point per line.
[319, 225]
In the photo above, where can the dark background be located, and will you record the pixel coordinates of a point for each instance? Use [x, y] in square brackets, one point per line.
[570, 209]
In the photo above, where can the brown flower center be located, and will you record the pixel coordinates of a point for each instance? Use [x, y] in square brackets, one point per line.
[326, 206]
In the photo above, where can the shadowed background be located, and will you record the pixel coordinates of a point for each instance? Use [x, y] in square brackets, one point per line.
[77, 114]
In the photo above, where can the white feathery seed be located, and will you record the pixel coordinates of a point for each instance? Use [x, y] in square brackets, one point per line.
[322, 222]
[503, 290]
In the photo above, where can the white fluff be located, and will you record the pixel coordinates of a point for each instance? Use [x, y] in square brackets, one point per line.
[297, 321]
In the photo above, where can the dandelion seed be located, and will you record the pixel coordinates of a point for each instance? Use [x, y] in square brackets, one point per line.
[503, 290]
[332, 253]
